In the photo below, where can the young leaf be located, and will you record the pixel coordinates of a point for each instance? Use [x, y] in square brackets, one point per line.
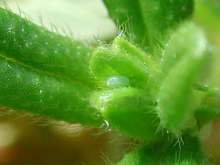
[130, 111]
[187, 40]
[176, 94]
[123, 58]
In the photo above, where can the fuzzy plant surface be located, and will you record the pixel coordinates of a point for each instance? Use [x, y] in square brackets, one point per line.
[156, 82]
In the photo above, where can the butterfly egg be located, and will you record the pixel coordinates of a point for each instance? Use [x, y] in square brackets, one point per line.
[117, 81]
[123, 58]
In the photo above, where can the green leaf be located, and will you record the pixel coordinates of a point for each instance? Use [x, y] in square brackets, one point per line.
[43, 72]
[48, 52]
[175, 100]
[123, 58]
[24, 89]
[130, 111]
[149, 19]
[187, 40]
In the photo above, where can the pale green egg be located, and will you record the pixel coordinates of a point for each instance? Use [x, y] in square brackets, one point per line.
[117, 81]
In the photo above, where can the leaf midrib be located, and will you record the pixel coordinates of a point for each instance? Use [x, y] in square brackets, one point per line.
[43, 72]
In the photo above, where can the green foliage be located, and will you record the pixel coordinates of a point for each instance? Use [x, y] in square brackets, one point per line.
[31, 45]
[149, 19]
[126, 109]
[181, 62]
[181, 43]
[147, 84]
[39, 71]
[163, 154]
[123, 58]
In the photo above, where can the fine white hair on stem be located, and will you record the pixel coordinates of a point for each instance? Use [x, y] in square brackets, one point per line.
[106, 158]
[177, 156]
[5, 5]
[179, 141]
[40, 19]
[64, 31]
[53, 27]
[70, 130]
[19, 9]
